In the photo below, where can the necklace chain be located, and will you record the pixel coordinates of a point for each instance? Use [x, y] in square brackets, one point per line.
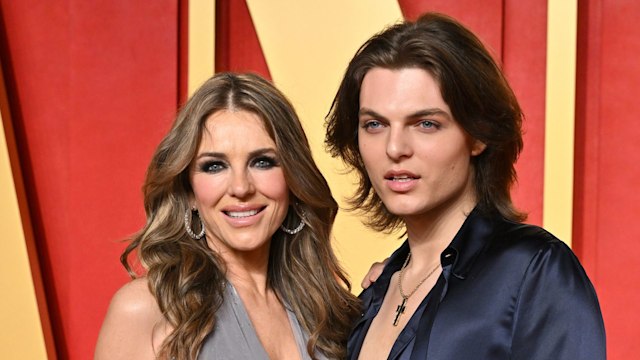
[400, 309]
[406, 262]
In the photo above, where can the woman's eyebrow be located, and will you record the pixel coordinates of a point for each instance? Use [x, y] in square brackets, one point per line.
[211, 154]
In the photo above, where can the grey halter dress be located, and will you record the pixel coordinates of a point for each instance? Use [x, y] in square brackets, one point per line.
[234, 337]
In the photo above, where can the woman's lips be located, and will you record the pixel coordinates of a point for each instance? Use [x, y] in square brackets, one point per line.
[241, 214]
[243, 217]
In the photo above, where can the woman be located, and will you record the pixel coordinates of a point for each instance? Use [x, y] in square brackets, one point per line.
[236, 248]
[437, 132]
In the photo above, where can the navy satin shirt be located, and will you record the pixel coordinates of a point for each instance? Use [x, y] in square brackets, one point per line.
[507, 291]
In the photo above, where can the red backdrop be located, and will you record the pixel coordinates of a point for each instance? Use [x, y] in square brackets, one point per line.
[607, 172]
[93, 85]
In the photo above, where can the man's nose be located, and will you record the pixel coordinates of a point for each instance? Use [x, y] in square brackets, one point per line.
[398, 144]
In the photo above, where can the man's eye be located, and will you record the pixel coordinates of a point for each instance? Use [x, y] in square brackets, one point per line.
[428, 124]
[372, 124]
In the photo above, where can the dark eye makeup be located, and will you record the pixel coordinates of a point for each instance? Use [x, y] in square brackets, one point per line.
[212, 166]
[261, 162]
[264, 162]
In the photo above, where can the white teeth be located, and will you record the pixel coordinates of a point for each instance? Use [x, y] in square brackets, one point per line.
[402, 178]
[241, 214]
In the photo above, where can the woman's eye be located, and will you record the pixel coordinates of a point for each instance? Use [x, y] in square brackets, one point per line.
[212, 167]
[264, 162]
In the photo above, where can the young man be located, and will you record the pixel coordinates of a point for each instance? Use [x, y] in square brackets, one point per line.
[427, 120]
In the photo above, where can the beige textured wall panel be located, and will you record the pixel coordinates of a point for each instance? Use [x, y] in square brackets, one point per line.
[307, 45]
[21, 334]
[201, 45]
[562, 25]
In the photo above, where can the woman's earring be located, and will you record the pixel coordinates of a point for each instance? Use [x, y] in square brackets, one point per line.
[297, 228]
[187, 224]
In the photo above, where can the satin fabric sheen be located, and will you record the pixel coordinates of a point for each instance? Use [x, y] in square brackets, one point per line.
[507, 291]
[235, 338]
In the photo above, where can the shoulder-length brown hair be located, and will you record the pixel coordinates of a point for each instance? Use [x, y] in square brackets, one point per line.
[471, 83]
[187, 278]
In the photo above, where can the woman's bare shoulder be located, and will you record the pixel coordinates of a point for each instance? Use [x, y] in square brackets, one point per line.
[130, 328]
[135, 299]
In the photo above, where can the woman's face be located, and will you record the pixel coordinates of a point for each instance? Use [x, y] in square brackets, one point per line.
[238, 185]
[415, 153]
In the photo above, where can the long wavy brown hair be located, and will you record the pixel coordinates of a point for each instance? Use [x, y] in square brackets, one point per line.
[187, 278]
[473, 86]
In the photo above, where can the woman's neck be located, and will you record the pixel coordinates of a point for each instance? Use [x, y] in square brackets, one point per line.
[247, 270]
[254, 282]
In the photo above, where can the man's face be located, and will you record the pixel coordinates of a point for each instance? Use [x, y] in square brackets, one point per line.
[415, 153]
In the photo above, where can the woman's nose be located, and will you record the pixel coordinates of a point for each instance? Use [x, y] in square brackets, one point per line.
[240, 184]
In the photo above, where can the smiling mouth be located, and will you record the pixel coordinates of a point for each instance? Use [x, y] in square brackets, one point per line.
[242, 214]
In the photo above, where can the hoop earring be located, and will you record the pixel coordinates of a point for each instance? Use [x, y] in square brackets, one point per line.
[187, 224]
[298, 228]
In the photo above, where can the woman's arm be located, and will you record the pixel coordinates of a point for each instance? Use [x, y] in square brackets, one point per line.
[133, 328]
[374, 273]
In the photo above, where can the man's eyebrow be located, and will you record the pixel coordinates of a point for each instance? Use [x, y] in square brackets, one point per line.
[366, 111]
[420, 113]
[430, 112]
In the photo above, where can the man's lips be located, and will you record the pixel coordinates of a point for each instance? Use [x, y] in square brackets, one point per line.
[401, 181]
[400, 176]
